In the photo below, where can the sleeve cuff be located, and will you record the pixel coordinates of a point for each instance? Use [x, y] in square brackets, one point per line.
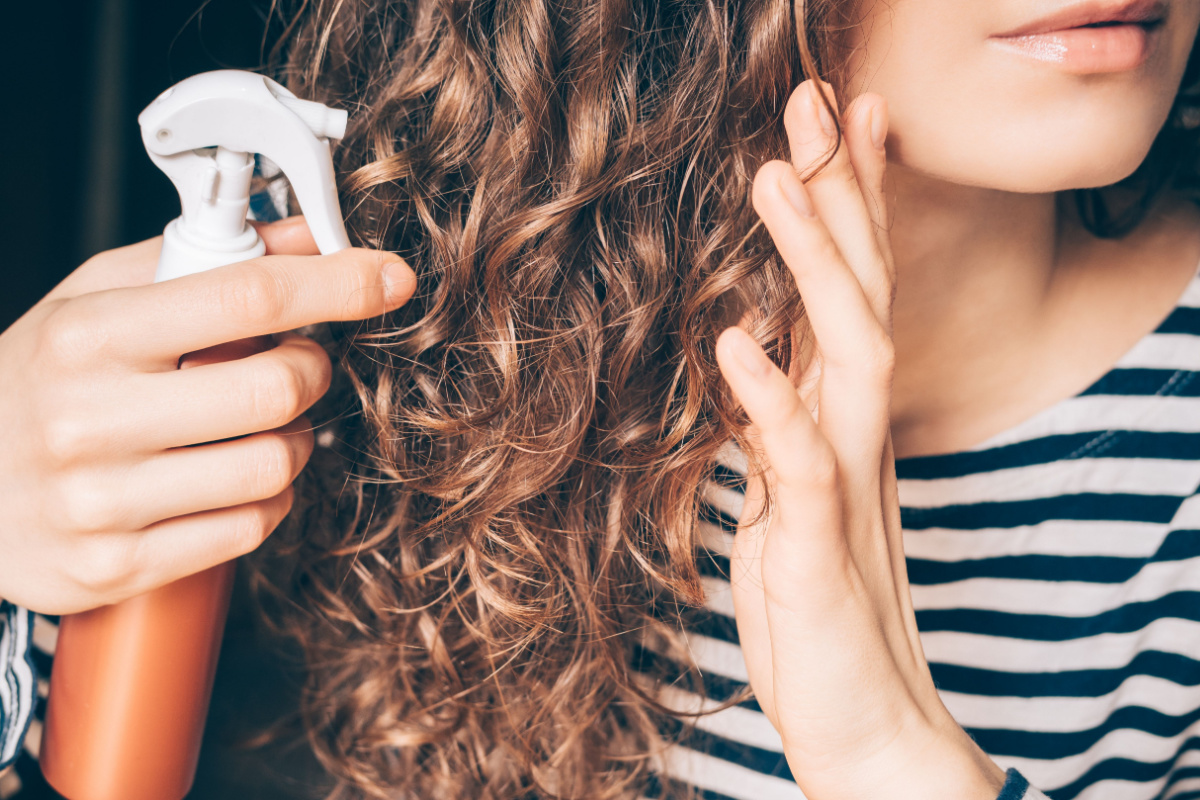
[1016, 787]
[18, 679]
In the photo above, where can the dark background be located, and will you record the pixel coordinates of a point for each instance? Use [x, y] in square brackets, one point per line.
[76, 180]
[75, 177]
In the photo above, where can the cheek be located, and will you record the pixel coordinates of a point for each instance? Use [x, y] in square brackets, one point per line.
[1031, 141]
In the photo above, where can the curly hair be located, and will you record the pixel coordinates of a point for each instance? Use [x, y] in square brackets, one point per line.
[510, 510]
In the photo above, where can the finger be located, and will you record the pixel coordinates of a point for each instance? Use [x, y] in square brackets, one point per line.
[135, 264]
[856, 351]
[749, 599]
[866, 137]
[803, 467]
[287, 236]
[218, 401]
[182, 546]
[192, 479]
[154, 325]
[801, 460]
[835, 190]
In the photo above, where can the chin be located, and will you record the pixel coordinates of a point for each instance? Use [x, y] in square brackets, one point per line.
[1035, 159]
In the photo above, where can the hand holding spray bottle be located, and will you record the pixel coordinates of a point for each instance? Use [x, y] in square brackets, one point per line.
[131, 682]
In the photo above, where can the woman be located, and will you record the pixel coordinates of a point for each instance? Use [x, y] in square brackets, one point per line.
[498, 610]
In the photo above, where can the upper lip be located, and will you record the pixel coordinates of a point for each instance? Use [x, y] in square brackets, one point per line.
[1092, 12]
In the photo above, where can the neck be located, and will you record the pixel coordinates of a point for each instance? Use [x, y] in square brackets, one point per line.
[972, 266]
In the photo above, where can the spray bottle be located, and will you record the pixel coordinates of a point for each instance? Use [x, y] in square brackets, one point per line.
[131, 682]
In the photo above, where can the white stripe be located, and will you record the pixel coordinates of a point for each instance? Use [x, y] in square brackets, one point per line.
[716, 539]
[726, 777]
[1051, 538]
[1191, 295]
[1125, 743]
[1163, 351]
[718, 596]
[728, 501]
[1070, 714]
[1186, 785]
[730, 455]
[1100, 413]
[1060, 598]
[1144, 476]
[1104, 651]
[717, 657]
[736, 723]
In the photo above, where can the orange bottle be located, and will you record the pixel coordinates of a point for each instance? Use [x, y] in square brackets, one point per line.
[129, 691]
[131, 682]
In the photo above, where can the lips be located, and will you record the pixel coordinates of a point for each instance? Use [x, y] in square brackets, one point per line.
[1096, 14]
[1090, 37]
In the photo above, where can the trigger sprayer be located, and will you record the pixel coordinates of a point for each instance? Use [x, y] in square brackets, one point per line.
[131, 682]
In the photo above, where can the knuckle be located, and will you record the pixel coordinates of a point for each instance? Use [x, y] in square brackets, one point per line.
[881, 356]
[71, 336]
[273, 466]
[278, 393]
[822, 467]
[367, 294]
[765, 178]
[256, 522]
[104, 569]
[86, 506]
[254, 296]
[67, 438]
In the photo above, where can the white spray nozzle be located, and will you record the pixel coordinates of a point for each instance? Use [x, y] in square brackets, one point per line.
[203, 132]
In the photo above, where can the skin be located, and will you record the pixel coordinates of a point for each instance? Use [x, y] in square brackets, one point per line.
[976, 305]
[123, 472]
[973, 306]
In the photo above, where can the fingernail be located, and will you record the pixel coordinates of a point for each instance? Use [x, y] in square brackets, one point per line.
[288, 222]
[797, 195]
[399, 280]
[818, 104]
[749, 355]
[878, 126]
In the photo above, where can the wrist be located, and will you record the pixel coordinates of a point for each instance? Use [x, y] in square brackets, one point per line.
[926, 764]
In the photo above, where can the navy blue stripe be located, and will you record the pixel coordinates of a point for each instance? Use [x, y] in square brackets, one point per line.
[42, 661]
[718, 626]
[1045, 745]
[729, 478]
[710, 513]
[715, 687]
[1014, 786]
[767, 762]
[1144, 382]
[1181, 774]
[1178, 545]
[1172, 667]
[713, 565]
[1184, 319]
[1082, 506]
[1123, 769]
[1043, 450]
[1049, 628]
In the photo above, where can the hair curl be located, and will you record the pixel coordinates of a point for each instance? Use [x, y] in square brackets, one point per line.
[527, 438]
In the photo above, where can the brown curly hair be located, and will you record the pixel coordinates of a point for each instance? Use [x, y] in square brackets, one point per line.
[514, 513]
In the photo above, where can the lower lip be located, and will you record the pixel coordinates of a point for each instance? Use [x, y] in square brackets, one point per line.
[1085, 51]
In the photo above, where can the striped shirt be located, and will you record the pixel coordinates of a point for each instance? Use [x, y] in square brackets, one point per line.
[1055, 572]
